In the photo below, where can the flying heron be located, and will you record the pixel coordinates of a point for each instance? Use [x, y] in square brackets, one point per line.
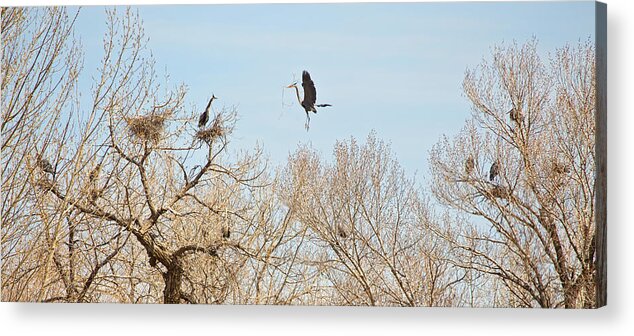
[202, 121]
[310, 96]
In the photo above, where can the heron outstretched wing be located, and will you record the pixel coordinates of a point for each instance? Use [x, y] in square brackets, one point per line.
[310, 94]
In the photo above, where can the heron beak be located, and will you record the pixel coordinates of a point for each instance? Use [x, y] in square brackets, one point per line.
[292, 85]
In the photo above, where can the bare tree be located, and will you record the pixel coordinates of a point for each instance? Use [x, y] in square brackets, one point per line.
[40, 65]
[530, 225]
[365, 236]
[129, 200]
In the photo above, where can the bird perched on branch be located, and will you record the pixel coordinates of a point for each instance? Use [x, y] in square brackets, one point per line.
[46, 166]
[93, 178]
[226, 232]
[516, 115]
[310, 96]
[494, 171]
[469, 165]
[204, 117]
[341, 231]
[94, 174]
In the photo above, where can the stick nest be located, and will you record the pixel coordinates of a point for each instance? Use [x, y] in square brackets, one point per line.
[501, 192]
[148, 128]
[216, 130]
[44, 183]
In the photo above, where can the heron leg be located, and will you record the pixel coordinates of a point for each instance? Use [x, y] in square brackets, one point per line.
[307, 125]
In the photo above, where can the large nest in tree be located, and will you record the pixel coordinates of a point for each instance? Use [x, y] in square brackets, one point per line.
[216, 130]
[501, 192]
[44, 183]
[559, 168]
[148, 128]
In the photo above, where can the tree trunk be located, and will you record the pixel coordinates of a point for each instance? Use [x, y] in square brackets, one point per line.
[173, 279]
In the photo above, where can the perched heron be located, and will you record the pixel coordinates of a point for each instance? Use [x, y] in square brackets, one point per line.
[46, 166]
[226, 232]
[94, 174]
[494, 171]
[469, 165]
[204, 118]
[516, 115]
[310, 96]
[93, 178]
[342, 232]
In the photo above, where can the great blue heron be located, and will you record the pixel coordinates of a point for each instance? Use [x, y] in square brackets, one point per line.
[46, 166]
[204, 118]
[342, 232]
[516, 115]
[226, 232]
[93, 178]
[469, 165]
[310, 96]
[494, 171]
[94, 173]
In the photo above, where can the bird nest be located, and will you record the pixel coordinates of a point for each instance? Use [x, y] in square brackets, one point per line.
[216, 130]
[560, 168]
[501, 192]
[148, 128]
[45, 184]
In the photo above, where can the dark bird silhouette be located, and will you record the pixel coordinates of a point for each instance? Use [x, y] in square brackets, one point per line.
[94, 174]
[226, 232]
[204, 118]
[93, 178]
[494, 171]
[342, 232]
[515, 115]
[469, 165]
[310, 96]
[46, 166]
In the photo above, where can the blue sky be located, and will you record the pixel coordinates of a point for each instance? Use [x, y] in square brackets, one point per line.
[395, 68]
